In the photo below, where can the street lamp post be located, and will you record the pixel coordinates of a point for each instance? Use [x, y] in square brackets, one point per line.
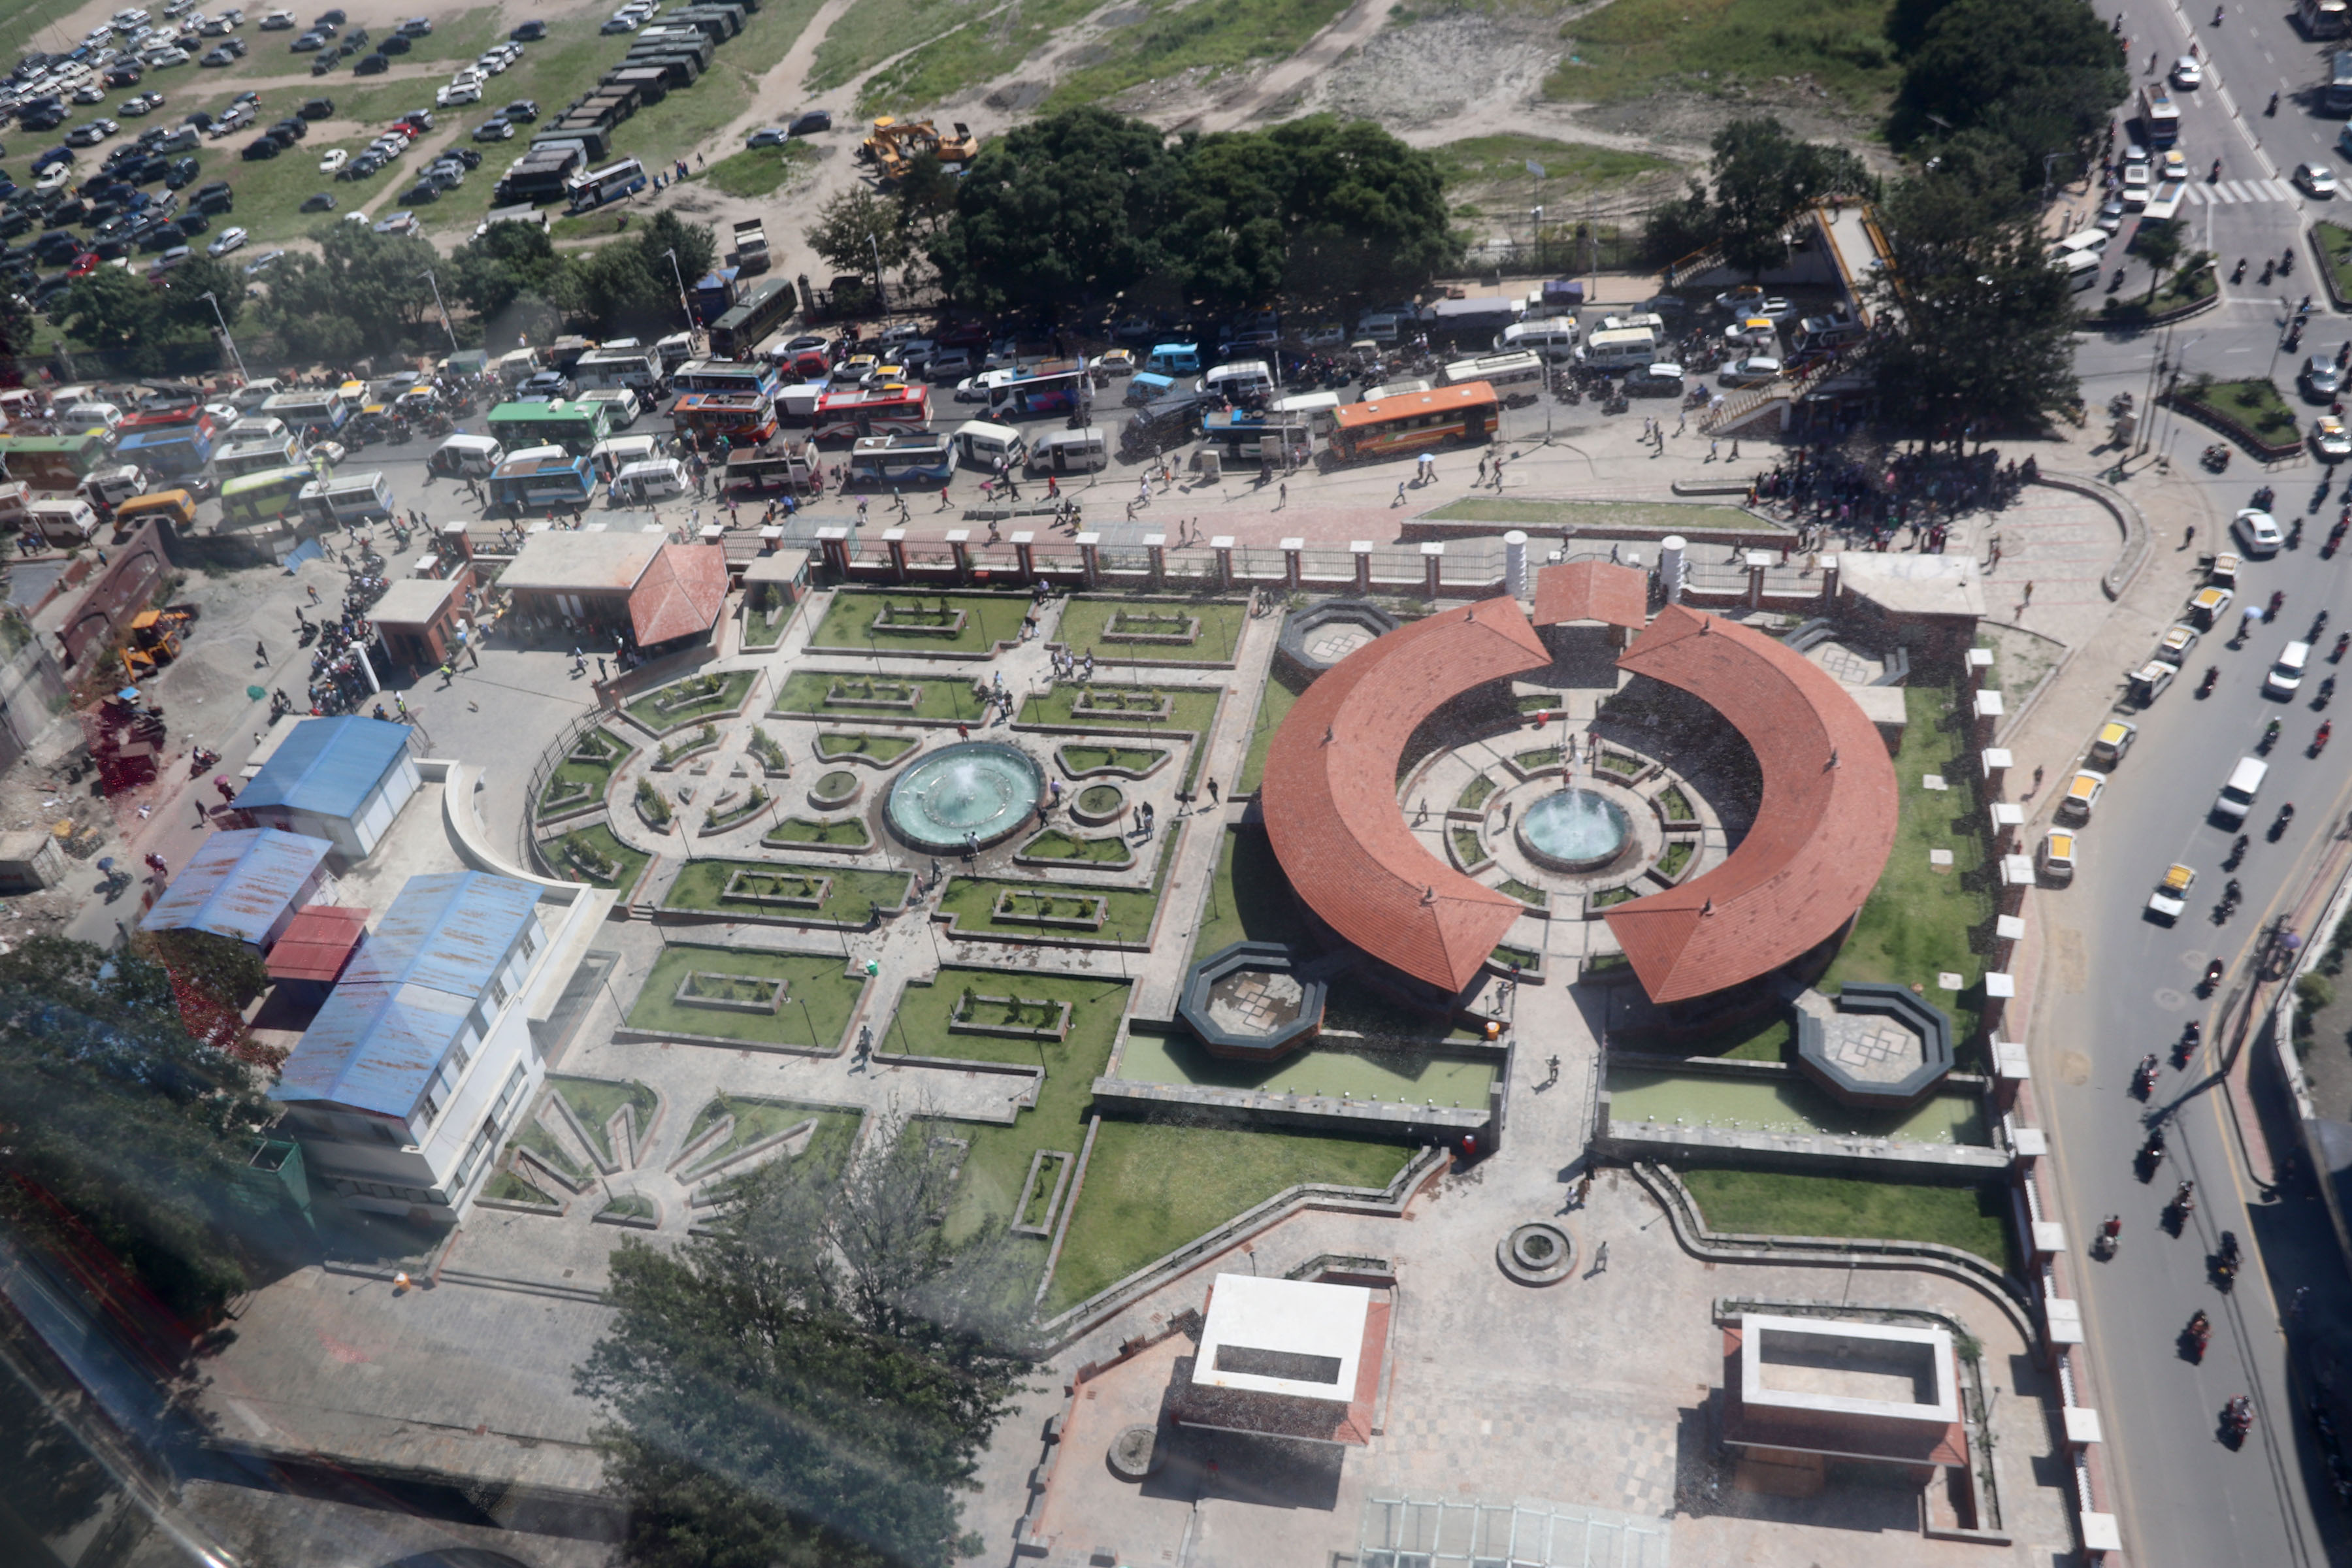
[443, 309]
[881, 290]
[235, 359]
[684, 304]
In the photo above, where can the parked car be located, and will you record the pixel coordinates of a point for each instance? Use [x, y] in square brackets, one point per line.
[277, 22]
[767, 136]
[230, 239]
[529, 33]
[317, 108]
[372, 64]
[522, 111]
[2316, 179]
[498, 127]
[334, 160]
[90, 133]
[146, 103]
[810, 121]
[263, 262]
[320, 203]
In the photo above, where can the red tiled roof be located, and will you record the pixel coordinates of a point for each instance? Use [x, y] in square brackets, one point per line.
[681, 593]
[1330, 804]
[318, 941]
[1593, 591]
[1821, 832]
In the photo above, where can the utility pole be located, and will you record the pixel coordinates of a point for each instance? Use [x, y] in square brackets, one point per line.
[443, 309]
[881, 290]
[683, 302]
[235, 359]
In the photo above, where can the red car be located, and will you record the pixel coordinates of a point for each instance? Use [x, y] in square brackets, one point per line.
[85, 264]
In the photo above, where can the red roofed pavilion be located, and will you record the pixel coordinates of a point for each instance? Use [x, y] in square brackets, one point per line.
[1330, 795]
[1593, 591]
[1823, 831]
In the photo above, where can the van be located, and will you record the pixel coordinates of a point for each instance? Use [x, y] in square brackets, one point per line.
[1500, 372]
[2285, 678]
[1831, 332]
[1644, 320]
[1380, 327]
[254, 394]
[352, 497]
[2081, 267]
[1171, 421]
[16, 501]
[1148, 386]
[2091, 240]
[172, 141]
[1552, 339]
[466, 457]
[1083, 451]
[983, 444]
[178, 506]
[1242, 381]
[109, 488]
[1632, 348]
[626, 406]
[1320, 409]
[611, 456]
[1175, 359]
[2237, 797]
[654, 479]
[62, 519]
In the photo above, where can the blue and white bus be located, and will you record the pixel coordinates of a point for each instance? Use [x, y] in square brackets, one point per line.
[593, 187]
[543, 477]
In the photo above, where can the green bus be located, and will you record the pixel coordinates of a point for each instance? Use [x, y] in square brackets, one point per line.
[257, 497]
[53, 462]
[575, 427]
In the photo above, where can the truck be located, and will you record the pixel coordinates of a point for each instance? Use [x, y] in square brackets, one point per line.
[750, 245]
[2158, 115]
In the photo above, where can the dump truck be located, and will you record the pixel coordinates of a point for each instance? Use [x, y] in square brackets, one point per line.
[751, 247]
[895, 144]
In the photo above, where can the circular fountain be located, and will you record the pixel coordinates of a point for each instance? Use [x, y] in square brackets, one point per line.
[1574, 830]
[973, 792]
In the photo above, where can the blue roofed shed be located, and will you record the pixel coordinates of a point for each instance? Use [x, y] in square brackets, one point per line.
[341, 779]
[245, 884]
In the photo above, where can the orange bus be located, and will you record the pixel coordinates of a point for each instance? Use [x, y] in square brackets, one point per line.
[745, 418]
[1407, 423]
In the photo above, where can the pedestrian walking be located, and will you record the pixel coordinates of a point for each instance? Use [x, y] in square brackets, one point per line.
[1213, 791]
[228, 790]
[1682, 422]
[600, 666]
[314, 587]
[2028, 597]
[1710, 451]
[261, 652]
[1600, 1259]
[943, 497]
[1282, 495]
[1400, 495]
[1142, 490]
[964, 732]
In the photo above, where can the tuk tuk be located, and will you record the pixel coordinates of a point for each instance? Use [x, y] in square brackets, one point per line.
[2224, 569]
[2115, 738]
[371, 423]
[2149, 681]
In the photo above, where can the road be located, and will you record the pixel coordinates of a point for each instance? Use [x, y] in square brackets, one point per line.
[2119, 985]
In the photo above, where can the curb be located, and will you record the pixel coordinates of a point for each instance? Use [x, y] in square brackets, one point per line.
[2223, 424]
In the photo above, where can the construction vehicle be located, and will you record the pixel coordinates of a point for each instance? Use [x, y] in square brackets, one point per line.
[896, 144]
[750, 255]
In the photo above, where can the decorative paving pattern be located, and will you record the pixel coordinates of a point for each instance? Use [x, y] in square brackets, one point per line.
[1850, 665]
[1255, 1001]
[1877, 1049]
[1334, 641]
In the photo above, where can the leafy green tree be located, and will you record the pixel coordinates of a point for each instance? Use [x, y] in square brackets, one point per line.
[364, 293]
[1966, 71]
[183, 291]
[812, 1384]
[1367, 213]
[856, 224]
[110, 1108]
[489, 275]
[926, 195]
[1762, 177]
[696, 244]
[112, 312]
[1063, 210]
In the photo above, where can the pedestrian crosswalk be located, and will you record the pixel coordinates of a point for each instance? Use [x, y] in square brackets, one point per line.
[2229, 192]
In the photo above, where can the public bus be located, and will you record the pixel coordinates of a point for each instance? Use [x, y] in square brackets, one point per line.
[849, 412]
[1522, 370]
[169, 450]
[925, 459]
[762, 311]
[576, 427]
[783, 466]
[745, 418]
[256, 497]
[1051, 391]
[1241, 436]
[533, 480]
[1466, 413]
[592, 188]
[354, 498]
[178, 506]
[52, 462]
[319, 412]
[254, 455]
[726, 375]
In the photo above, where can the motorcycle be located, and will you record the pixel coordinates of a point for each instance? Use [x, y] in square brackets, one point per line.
[2215, 458]
[2318, 624]
[2110, 1237]
[2269, 737]
[2184, 1199]
[2237, 856]
[2186, 1046]
[2231, 896]
[2268, 268]
[2213, 973]
[2287, 263]
[2144, 1079]
[2343, 641]
[2214, 176]
[2199, 1334]
[201, 760]
[2238, 273]
[2212, 674]
[2285, 816]
[2273, 110]
[2238, 1419]
[2264, 496]
[2278, 596]
[2320, 741]
[2326, 692]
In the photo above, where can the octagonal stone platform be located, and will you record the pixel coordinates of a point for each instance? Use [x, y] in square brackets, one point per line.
[1320, 636]
[1873, 1045]
[1249, 1002]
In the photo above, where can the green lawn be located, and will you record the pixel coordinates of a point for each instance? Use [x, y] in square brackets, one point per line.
[2336, 247]
[1917, 921]
[1190, 710]
[989, 620]
[944, 694]
[804, 830]
[1207, 38]
[599, 838]
[1056, 845]
[1763, 1039]
[1773, 1202]
[998, 41]
[536, 1138]
[1680, 516]
[757, 171]
[757, 1116]
[1570, 168]
[1633, 48]
[1085, 758]
[1250, 898]
[818, 997]
[851, 895]
[730, 688]
[596, 1101]
[2257, 405]
[833, 743]
[1150, 1187]
[1274, 705]
[1084, 620]
[970, 898]
[597, 775]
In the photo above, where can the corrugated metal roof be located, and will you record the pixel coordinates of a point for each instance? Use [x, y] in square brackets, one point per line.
[238, 884]
[561, 561]
[374, 1047]
[327, 766]
[413, 601]
[318, 942]
[450, 931]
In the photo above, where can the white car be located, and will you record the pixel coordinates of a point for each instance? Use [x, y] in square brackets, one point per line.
[230, 239]
[2258, 531]
[126, 19]
[2136, 185]
[2187, 73]
[1754, 332]
[2316, 179]
[335, 158]
[329, 452]
[167, 58]
[456, 93]
[277, 22]
[2111, 213]
[1755, 370]
[494, 63]
[2172, 163]
[1773, 308]
[54, 177]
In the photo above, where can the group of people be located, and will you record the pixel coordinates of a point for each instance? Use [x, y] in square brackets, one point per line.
[1871, 505]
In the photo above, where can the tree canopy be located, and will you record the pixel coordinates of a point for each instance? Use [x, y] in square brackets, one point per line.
[1759, 178]
[811, 1384]
[1964, 70]
[108, 1107]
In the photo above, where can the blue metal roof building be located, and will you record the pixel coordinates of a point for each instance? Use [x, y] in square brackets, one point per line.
[452, 946]
[246, 884]
[341, 779]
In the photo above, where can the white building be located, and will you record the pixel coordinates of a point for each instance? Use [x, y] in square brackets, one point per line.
[341, 779]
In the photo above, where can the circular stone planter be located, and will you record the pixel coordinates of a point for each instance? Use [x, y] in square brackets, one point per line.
[1535, 1253]
[834, 789]
[1097, 804]
[1135, 1453]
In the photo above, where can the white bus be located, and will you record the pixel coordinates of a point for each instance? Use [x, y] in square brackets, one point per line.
[594, 188]
[354, 498]
[1498, 371]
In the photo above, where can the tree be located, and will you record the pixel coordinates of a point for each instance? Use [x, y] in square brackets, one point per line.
[1763, 177]
[511, 261]
[118, 314]
[811, 1384]
[363, 293]
[696, 246]
[1367, 213]
[2160, 246]
[183, 291]
[2046, 102]
[136, 1132]
[856, 224]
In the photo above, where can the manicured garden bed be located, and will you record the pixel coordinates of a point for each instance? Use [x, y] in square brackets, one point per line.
[864, 745]
[692, 701]
[616, 863]
[580, 780]
[596, 1101]
[818, 997]
[1774, 1202]
[1095, 625]
[924, 623]
[852, 698]
[701, 885]
[847, 834]
[758, 1117]
[1274, 705]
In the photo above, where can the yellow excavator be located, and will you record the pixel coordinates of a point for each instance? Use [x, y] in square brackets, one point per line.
[895, 144]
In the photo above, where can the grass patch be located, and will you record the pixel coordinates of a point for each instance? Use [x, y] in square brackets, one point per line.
[596, 1101]
[1275, 700]
[1676, 804]
[989, 620]
[599, 840]
[1677, 856]
[1541, 757]
[536, 1138]
[1677, 516]
[756, 1118]
[2335, 249]
[1127, 912]
[1502, 160]
[849, 833]
[1610, 898]
[1466, 847]
[756, 171]
[833, 743]
[693, 699]
[2181, 289]
[1917, 921]
[1056, 845]
[553, 794]
[1187, 710]
[1771, 1203]
[1534, 897]
[506, 1187]
[868, 35]
[1151, 1187]
[1475, 795]
[945, 696]
[1249, 898]
[1207, 36]
[852, 896]
[817, 1000]
[1085, 621]
[1635, 48]
[1764, 1039]
[1133, 759]
[2256, 404]
[1525, 957]
[1623, 766]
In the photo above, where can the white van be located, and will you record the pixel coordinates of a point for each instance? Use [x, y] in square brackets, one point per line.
[91, 417]
[983, 444]
[252, 455]
[2081, 267]
[352, 497]
[1381, 327]
[111, 487]
[1388, 389]
[1552, 339]
[63, 521]
[1645, 320]
[655, 478]
[610, 456]
[254, 394]
[2237, 797]
[1083, 451]
[1632, 348]
[466, 457]
[15, 502]
[1242, 380]
[1320, 408]
[626, 406]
